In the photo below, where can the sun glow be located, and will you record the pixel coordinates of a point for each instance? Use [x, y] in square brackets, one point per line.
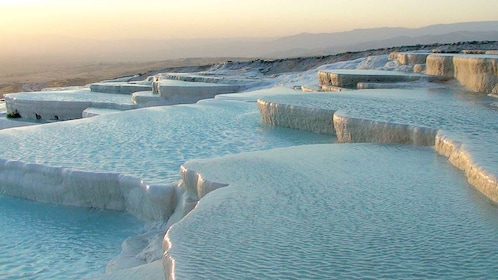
[224, 18]
[55, 27]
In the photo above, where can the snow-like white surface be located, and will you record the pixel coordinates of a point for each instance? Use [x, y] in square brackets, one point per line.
[103, 190]
[112, 161]
[225, 73]
[120, 87]
[412, 117]
[409, 58]
[478, 73]
[63, 105]
[130, 160]
[440, 65]
[350, 78]
[476, 70]
[149, 99]
[8, 123]
[377, 85]
[180, 92]
[73, 95]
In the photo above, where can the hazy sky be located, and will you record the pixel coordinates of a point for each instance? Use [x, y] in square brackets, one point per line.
[162, 19]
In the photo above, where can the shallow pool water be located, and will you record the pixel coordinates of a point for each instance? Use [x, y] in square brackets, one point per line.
[339, 211]
[467, 117]
[45, 241]
[151, 143]
[375, 211]
[75, 95]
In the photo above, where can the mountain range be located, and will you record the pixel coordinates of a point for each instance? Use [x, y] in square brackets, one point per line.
[304, 44]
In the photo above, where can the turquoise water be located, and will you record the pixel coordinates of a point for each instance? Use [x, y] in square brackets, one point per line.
[374, 212]
[45, 241]
[467, 117]
[151, 143]
[339, 211]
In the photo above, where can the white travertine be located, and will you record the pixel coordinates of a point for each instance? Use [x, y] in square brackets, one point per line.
[358, 130]
[180, 92]
[170, 203]
[419, 68]
[148, 99]
[408, 58]
[355, 130]
[297, 117]
[484, 181]
[329, 88]
[312, 88]
[350, 78]
[478, 73]
[119, 87]
[440, 65]
[100, 190]
[46, 110]
[190, 190]
[282, 203]
[63, 105]
[363, 85]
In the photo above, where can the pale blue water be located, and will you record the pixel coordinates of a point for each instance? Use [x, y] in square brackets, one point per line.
[339, 211]
[467, 117]
[45, 241]
[369, 197]
[151, 143]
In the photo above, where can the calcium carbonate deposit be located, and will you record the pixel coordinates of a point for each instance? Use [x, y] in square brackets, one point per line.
[356, 169]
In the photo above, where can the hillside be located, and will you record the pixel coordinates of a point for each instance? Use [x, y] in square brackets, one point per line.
[60, 76]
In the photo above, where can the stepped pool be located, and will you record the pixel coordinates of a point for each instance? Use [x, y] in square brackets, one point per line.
[149, 144]
[291, 210]
[336, 211]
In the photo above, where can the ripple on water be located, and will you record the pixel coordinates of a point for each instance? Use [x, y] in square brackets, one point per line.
[337, 212]
[43, 241]
[468, 117]
[151, 143]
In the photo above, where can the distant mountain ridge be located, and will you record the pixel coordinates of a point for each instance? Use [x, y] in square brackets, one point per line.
[67, 49]
[360, 39]
[379, 33]
[453, 37]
